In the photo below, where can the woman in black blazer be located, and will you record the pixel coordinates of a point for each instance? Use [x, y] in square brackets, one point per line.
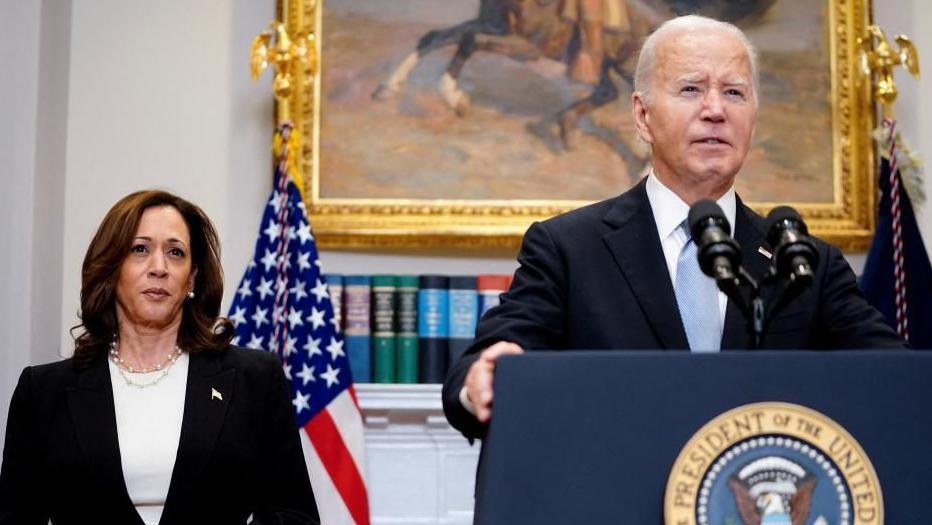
[156, 418]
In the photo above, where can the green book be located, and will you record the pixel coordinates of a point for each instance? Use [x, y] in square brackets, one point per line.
[383, 328]
[406, 340]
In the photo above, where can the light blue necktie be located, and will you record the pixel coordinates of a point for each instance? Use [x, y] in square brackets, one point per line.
[697, 299]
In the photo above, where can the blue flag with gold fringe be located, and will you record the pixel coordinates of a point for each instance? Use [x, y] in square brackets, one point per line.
[897, 277]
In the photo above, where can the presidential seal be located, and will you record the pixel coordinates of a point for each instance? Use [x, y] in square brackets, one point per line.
[772, 464]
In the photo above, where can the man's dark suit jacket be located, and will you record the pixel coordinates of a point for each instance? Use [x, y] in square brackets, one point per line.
[596, 278]
[237, 455]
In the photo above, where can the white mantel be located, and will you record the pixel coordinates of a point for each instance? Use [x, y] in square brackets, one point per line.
[420, 470]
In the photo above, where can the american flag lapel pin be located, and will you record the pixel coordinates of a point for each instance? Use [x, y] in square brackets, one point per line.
[214, 394]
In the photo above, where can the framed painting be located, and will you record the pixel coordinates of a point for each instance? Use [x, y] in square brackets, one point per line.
[431, 123]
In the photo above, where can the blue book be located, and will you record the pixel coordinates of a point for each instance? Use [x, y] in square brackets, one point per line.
[357, 290]
[464, 314]
[433, 328]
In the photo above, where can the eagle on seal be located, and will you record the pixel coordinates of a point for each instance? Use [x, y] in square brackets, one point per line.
[773, 507]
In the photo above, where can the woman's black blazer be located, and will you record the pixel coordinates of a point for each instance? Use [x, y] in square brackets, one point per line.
[239, 451]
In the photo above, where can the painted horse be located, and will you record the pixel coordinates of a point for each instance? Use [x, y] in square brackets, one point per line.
[531, 29]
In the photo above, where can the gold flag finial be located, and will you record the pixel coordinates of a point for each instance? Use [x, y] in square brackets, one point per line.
[878, 57]
[276, 48]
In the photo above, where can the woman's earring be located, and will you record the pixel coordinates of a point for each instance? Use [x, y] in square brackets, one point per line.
[191, 294]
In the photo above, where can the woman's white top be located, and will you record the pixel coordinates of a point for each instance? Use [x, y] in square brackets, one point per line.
[149, 428]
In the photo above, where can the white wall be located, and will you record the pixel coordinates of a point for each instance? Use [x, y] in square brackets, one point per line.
[914, 109]
[160, 97]
[19, 21]
[103, 97]
[32, 99]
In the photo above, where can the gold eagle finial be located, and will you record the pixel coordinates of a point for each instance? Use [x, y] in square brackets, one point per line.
[878, 57]
[275, 47]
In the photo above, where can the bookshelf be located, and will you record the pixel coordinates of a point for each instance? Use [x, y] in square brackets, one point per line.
[408, 329]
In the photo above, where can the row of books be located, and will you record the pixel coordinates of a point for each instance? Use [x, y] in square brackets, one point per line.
[409, 328]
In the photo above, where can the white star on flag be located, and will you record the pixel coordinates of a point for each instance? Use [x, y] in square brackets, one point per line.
[287, 369]
[306, 374]
[244, 290]
[275, 202]
[312, 347]
[239, 316]
[331, 375]
[295, 318]
[304, 261]
[260, 316]
[320, 291]
[255, 343]
[265, 288]
[299, 290]
[300, 402]
[273, 230]
[316, 318]
[269, 260]
[335, 348]
[304, 233]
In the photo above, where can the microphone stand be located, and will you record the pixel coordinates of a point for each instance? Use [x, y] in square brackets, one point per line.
[746, 292]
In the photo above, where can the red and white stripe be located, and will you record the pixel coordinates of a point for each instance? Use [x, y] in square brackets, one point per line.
[334, 448]
[899, 271]
[281, 269]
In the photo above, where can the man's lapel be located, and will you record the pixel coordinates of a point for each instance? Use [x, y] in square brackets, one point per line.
[748, 231]
[635, 245]
[209, 393]
[91, 405]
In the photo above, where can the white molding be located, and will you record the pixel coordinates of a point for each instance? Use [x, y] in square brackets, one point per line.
[420, 469]
[408, 398]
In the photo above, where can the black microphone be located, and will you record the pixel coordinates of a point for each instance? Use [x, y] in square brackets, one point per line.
[719, 255]
[795, 256]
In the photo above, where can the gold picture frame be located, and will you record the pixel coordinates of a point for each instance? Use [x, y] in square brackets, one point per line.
[845, 218]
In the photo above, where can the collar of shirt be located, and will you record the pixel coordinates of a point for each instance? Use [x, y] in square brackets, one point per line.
[670, 211]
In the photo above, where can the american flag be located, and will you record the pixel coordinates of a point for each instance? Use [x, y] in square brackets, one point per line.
[282, 305]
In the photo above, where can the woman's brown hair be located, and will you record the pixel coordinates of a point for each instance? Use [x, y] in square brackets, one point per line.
[201, 326]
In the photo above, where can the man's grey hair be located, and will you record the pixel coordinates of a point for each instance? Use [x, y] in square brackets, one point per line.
[647, 60]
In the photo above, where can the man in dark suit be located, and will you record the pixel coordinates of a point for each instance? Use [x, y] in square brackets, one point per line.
[622, 273]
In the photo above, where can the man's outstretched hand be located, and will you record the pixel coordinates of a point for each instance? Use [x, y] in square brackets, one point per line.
[479, 379]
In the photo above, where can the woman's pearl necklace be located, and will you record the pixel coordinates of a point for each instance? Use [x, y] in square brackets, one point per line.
[123, 367]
